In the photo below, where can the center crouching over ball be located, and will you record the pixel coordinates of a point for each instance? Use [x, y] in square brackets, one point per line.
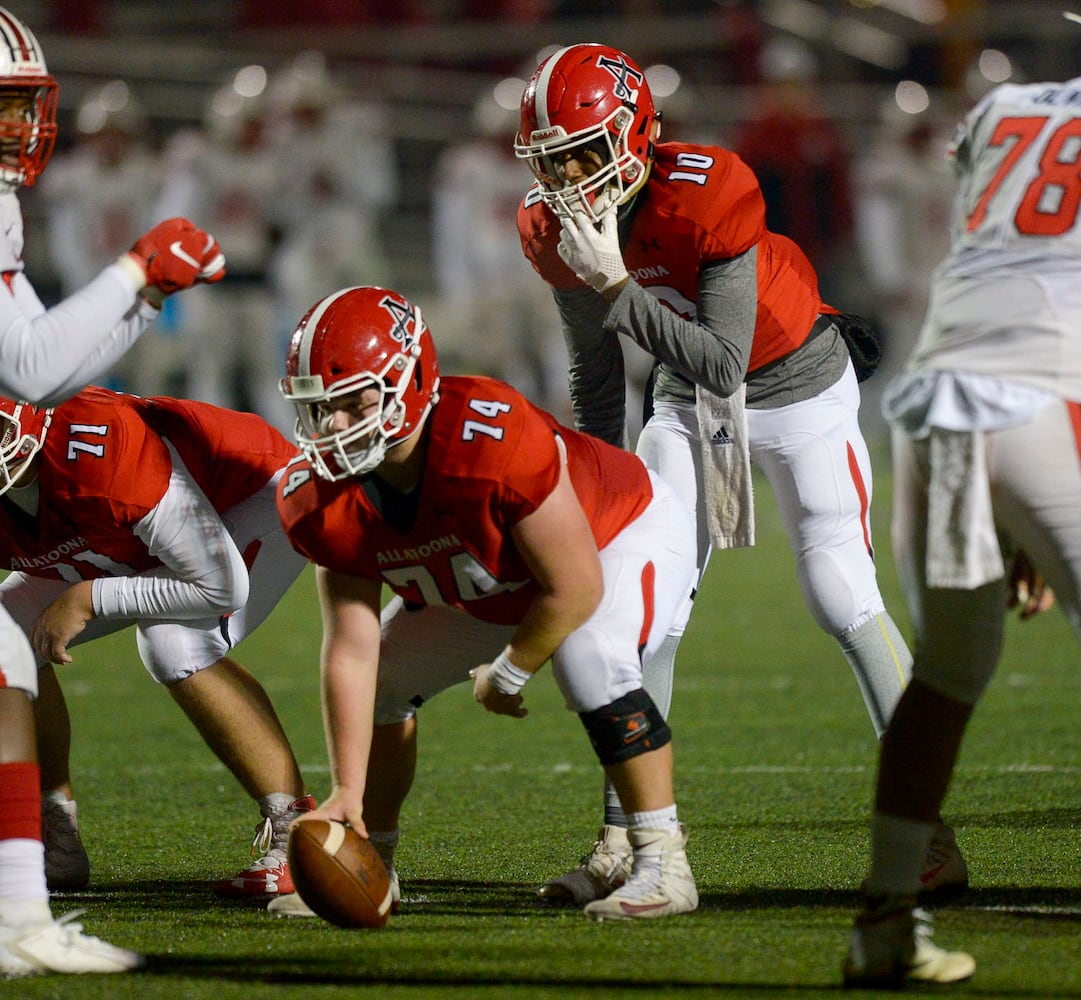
[339, 874]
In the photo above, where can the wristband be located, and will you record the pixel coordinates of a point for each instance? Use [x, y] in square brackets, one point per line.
[133, 269]
[505, 677]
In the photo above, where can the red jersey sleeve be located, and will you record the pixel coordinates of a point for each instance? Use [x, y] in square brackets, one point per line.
[231, 455]
[101, 472]
[538, 230]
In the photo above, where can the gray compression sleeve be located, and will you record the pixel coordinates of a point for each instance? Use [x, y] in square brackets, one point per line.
[595, 358]
[714, 351]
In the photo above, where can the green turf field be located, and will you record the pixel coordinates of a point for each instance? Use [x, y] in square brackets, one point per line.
[774, 758]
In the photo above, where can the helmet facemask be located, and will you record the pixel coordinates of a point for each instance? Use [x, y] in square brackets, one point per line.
[362, 446]
[27, 132]
[19, 445]
[620, 174]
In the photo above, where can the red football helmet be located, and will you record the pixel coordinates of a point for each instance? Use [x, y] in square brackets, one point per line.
[595, 96]
[27, 105]
[355, 339]
[22, 433]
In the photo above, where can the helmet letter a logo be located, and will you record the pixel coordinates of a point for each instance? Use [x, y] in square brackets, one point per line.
[627, 79]
[402, 315]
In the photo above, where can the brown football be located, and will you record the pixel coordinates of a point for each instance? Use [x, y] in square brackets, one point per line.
[339, 874]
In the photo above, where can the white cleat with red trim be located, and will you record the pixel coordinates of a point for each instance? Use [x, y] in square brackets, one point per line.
[661, 883]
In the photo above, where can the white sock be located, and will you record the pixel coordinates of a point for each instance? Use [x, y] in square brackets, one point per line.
[22, 870]
[656, 819]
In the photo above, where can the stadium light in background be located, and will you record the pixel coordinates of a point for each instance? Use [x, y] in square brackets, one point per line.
[112, 105]
[995, 66]
[912, 97]
[663, 80]
[508, 93]
[250, 81]
[247, 83]
[990, 68]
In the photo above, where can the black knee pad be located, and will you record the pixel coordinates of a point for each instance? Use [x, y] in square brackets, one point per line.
[629, 726]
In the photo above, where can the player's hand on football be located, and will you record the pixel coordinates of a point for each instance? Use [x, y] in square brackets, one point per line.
[593, 254]
[1028, 590]
[61, 622]
[493, 699]
[176, 254]
[343, 805]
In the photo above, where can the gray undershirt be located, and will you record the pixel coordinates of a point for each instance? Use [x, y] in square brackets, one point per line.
[711, 351]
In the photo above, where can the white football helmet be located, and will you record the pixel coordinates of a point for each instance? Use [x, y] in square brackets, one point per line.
[27, 105]
[22, 433]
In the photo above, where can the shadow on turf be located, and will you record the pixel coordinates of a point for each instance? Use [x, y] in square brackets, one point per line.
[347, 973]
[446, 897]
[460, 897]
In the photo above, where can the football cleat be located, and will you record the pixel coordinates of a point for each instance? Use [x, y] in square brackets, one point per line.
[660, 884]
[290, 905]
[59, 946]
[891, 945]
[603, 869]
[67, 866]
[268, 876]
[945, 872]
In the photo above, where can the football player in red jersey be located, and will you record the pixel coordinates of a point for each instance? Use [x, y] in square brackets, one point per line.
[47, 355]
[508, 540]
[117, 510]
[666, 244]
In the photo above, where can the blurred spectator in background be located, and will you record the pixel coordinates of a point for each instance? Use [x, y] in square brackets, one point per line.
[335, 175]
[98, 197]
[904, 188]
[496, 318]
[224, 172]
[802, 164]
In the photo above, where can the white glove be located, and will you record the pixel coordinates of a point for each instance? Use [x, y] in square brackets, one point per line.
[594, 256]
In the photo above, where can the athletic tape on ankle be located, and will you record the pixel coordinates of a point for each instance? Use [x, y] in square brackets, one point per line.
[505, 677]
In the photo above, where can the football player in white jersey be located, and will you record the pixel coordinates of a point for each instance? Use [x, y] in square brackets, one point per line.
[47, 355]
[986, 425]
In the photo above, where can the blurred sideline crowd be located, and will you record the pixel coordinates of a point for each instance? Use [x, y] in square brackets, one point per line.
[299, 178]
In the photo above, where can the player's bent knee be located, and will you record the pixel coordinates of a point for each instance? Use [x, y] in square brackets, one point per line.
[838, 587]
[20, 669]
[627, 727]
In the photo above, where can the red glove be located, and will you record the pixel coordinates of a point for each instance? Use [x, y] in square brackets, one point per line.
[175, 254]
